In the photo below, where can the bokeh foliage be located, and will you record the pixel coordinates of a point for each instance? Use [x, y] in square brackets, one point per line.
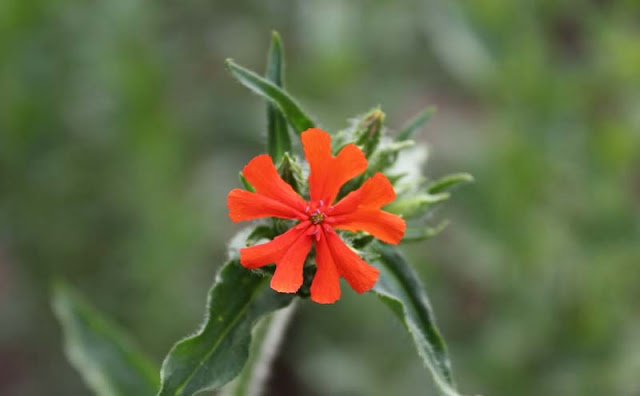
[121, 133]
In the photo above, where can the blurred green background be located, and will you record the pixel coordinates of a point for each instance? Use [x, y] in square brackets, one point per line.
[121, 134]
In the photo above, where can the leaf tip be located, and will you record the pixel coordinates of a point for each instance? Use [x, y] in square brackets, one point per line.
[450, 181]
[467, 177]
[275, 36]
[58, 289]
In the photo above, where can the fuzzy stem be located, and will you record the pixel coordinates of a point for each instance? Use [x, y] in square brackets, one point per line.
[266, 343]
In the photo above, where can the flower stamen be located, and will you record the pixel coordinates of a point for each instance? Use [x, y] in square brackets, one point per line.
[316, 217]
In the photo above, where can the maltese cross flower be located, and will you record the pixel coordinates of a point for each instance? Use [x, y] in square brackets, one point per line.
[318, 218]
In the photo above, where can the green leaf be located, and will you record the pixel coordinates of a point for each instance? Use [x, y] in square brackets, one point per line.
[448, 182]
[366, 130]
[277, 96]
[245, 182]
[278, 141]
[412, 126]
[291, 172]
[387, 154]
[105, 357]
[414, 234]
[260, 232]
[415, 205]
[383, 158]
[275, 62]
[218, 351]
[400, 288]
[369, 131]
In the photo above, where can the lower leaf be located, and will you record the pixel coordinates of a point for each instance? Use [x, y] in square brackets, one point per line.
[218, 351]
[400, 288]
[105, 357]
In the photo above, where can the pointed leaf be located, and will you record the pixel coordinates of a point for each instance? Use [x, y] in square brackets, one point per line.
[275, 62]
[412, 126]
[278, 141]
[369, 131]
[400, 288]
[415, 234]
[387, 154]
[291, 172]
[415, 205]
[383, 158]
[105, 357]
[245, 182]
[365, 130]
[448, 182]
[277, 96]
[218, 351]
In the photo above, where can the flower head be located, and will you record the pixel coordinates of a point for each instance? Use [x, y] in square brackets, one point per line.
[318, 218]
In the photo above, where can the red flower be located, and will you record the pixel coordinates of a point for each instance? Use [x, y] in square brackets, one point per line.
[358, 211]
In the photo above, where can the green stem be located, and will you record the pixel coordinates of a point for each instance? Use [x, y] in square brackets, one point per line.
[267, 340]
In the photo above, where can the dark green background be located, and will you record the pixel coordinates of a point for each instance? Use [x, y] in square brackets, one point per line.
[121, 134]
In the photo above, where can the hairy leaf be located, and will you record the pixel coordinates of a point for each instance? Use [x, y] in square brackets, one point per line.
[401, 290]
[387, 154]
[105, 357]
[448, 182]
[276, 95]
[261, 231]
[416, 234]
[412, 126]
[368, 131]
[291, 172]
[384, 157]
[278, 141]
[415, 205]
[218, 351]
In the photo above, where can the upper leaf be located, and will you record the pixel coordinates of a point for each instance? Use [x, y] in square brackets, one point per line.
[275, 61]
[364, 130]
[415, 204]
[245, 182]
[105, 357]
[387, 154]
[278, 141]
[276, 95]
[412, 126]
[218, 351]
[400, 288]
[291, 172]
[422, 233]
[448, 182]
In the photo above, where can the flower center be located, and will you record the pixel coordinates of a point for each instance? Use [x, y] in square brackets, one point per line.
[318, 213]
[316, 217]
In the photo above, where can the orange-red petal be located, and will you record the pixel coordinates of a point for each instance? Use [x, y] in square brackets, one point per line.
[383, 225]
[349, 163]
[270, 252]
[360, 275]
[325, 288]
[244, 205]
[288, 275]
[374, 193]
[317, 149]
[264, 177]
[329, 173]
